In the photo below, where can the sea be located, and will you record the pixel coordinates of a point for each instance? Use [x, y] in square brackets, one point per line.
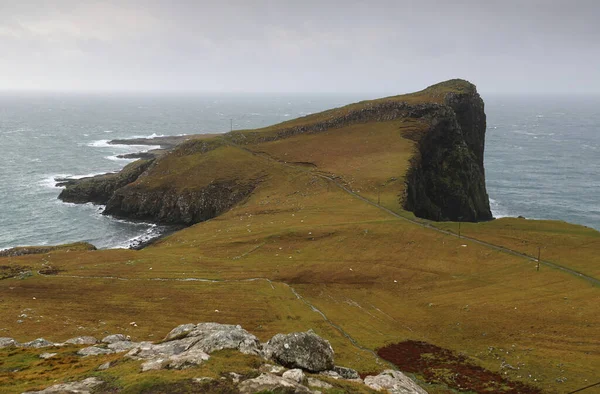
[542, 155]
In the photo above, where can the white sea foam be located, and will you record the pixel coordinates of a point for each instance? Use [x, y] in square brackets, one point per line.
[109, 131]
[153, 135]
[497, 210]
[152, 232]
[117, 158]
[99, 144]
[49, 181]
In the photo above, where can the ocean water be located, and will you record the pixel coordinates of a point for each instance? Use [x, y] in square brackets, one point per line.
[542, 157]
[542, 154]
[60, 135]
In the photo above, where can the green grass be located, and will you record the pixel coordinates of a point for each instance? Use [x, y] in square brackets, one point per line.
[378, 278]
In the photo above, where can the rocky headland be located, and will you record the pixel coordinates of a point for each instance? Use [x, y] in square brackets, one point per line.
[445, 179]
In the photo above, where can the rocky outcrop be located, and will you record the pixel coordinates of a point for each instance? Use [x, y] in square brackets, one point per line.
[175, 206]
[190, 345]
[99, 189]
[446, 180]
[304, 350]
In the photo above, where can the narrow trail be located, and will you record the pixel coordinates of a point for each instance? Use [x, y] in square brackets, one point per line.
[328, 178]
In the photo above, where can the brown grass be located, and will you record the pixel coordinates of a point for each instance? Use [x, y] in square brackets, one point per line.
[382, 280]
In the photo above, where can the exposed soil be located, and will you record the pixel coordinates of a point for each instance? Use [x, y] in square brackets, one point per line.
[442, 366]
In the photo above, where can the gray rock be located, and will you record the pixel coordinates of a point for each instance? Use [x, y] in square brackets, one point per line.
[394, 382]
[235, 377]
[273, 383]
[312, 382]
[46, 356]
[188, 359]
[272, 369]
[122, 346]
[83, 387]
[180, 331]
[85, 340]
[295, 375]
[153, 365]
[8, 342]
[211, 337]
[346, 373]
[114, 338]
[150, 351]
[203, 379]
[304, 350]
[104, 366]
[38, 343]
[93, 351]
[331, 374]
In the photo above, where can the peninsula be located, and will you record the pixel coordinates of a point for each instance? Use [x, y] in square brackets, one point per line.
[362, 234]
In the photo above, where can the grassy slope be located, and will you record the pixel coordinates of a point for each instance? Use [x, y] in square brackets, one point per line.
[379, 278]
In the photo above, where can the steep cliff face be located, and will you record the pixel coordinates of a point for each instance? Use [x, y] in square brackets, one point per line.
[203, 177]
[446, 180]
[174, 206]
[99, 189]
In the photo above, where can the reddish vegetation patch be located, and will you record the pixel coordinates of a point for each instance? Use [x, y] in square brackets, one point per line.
[442, 366]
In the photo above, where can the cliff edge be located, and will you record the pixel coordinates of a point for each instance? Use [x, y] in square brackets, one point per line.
[434, 141]
[446, 180]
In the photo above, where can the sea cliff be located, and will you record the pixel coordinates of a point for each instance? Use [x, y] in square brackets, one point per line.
[445, 178]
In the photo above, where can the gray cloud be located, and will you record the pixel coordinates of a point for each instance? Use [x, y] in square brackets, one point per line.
[375, 46]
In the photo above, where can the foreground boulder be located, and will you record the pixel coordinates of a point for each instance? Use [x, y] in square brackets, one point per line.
[394, 382]
[304, 350]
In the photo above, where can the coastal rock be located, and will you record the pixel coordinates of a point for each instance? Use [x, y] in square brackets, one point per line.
[173, 206]
[304, 350]
[83, 387]
[394, 382]
[446, 180]
[46, 356]
[85, 340]
[274, 383]
[8, 342]
[99, 189]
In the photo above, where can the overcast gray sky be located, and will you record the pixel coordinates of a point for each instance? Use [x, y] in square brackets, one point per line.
[299, 46]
